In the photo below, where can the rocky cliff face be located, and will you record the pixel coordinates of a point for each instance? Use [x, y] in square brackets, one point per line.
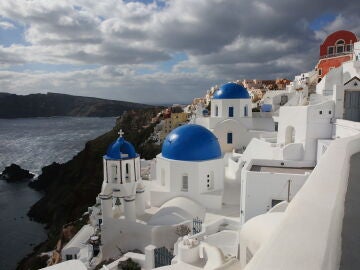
[70, 188]
[52, 104]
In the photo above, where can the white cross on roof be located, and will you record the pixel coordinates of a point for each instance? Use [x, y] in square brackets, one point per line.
[121, 133]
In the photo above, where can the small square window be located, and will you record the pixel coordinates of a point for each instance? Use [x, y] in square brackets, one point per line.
[320, 112]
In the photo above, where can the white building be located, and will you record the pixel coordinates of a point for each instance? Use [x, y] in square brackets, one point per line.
[232, 120]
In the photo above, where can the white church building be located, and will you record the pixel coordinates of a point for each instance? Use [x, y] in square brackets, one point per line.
[190, 165]
[232, 120]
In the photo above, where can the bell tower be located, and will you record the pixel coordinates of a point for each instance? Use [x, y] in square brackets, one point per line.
[121, 179]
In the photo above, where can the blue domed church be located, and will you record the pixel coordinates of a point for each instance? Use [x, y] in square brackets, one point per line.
[231, 118]
[190, 165]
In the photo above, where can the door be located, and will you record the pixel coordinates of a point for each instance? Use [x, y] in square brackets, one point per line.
[352, 106]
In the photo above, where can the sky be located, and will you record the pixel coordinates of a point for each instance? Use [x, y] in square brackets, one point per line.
[161, 51]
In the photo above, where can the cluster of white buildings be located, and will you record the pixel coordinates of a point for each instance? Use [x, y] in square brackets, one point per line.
[262, 190]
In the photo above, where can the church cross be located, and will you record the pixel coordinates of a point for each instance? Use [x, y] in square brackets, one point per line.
[121, 133]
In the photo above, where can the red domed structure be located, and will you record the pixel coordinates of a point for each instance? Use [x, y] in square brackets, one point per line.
[336, 49]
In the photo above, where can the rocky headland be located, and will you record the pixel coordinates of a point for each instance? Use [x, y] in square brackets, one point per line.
[15, 173]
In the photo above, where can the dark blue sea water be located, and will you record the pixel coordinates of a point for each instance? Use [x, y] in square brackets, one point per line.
[33, 143]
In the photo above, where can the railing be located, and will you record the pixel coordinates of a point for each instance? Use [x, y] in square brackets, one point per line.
[197, 225]
[336, 54]
[162, 256]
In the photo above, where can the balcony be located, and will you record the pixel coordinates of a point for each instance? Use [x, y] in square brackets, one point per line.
[336, 54]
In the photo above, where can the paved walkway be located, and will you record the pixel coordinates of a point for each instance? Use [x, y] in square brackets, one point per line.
[350, 256]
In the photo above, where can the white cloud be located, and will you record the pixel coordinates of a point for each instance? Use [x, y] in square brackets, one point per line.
[222, 39]
[6, 25]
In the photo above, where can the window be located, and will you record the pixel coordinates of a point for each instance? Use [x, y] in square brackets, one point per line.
[69, 257]
[185, 183]
[331, 50]
[127, 173]
[340, 46]
[229, 138]
[349, 47]
[320, 112]
[329, 112]
[275, 202]
[276, 126]
[320, 71]
[114, 173]
[246, 111]
[231, 111]
[216, 110]
[210, 181]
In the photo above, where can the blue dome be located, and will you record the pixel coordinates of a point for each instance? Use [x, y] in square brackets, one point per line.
[231, 91]
[191, 143]
[120, 149]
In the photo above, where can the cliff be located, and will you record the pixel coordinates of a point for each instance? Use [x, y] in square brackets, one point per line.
[70, 188]
[52, 104]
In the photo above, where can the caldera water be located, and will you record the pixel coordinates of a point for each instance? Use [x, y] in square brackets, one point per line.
[33, 143]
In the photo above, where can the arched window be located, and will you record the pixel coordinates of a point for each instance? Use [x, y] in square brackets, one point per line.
[340, 46]
[127, 173]
[114, 173]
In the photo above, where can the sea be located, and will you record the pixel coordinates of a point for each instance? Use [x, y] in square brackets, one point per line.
[33, 143]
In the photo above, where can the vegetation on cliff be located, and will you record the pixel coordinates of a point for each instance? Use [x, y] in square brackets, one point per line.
[70, 188]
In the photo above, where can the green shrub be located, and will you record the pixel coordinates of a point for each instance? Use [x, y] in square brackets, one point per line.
[129, 264]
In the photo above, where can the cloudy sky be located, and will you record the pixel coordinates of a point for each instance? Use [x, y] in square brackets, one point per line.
[160, 51]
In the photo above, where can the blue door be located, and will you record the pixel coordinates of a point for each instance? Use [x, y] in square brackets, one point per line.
[231, 111]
